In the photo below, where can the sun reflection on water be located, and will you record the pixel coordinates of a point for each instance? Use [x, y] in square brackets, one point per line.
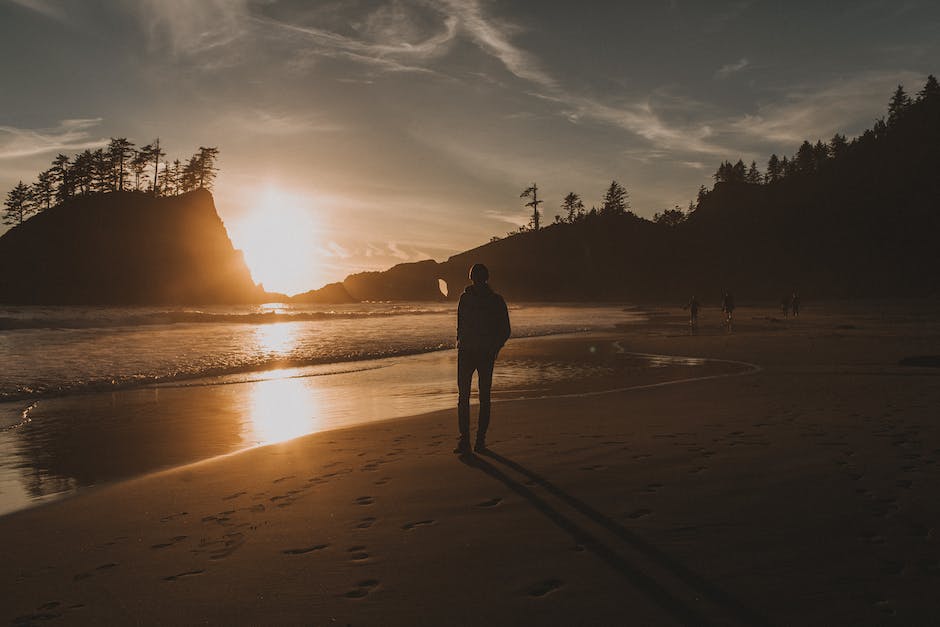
[279, 338]
[281, 409]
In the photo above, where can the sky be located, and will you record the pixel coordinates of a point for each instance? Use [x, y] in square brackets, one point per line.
[357, 134]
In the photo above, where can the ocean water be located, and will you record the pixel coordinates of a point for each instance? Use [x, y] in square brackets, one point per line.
[90, 395]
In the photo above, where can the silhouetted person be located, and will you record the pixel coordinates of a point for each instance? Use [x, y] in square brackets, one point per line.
[785, 306]
[727, 306]
[693, 313]
[795, 304]
[482, 329]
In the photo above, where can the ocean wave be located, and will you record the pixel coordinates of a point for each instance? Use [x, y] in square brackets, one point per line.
[13, 323]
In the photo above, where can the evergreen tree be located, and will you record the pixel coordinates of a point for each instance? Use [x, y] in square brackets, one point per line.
[18, 204]
[930, 91]
[820, 155]
[120, 152]
[44, 190]
[739, 172]
[61, 170]
[753, 174]
[139, 163]
[616, 200]
[533, 193]
[805, 159]
[155, 154]
[572, 206]
[837, 146]
[898, 104]
[101, 171]
[774, 169]
[670, 217]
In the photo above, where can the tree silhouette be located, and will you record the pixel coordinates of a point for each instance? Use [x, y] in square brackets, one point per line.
[155, 154]
[774, 169]
[615, 200]
[44, 189]
[120, 152]
[931, 89]
[18, 204]
[139, 163]
[670, 217]
[753, 174]
[573, 207]
[533, 193]
[898, 104]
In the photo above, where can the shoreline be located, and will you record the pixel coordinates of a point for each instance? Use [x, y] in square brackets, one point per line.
[803, 493]
[185, 403]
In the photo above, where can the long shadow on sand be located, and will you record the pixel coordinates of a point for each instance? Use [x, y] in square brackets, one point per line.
[680, 609]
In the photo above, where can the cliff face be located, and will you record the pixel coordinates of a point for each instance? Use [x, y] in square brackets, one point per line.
[125, 248]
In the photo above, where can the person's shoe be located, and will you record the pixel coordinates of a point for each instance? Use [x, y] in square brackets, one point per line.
[480, 445]
[463, 446]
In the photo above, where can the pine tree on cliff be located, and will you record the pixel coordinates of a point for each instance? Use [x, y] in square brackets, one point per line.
[573, 207]
[155, 155]
[44, 190]
[533, 193]
[18, 204]
[615, 200]
[120, 152]
[898, 104]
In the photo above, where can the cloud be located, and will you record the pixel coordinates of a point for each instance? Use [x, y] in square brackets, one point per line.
[48, 8]
[69, 135]
[732, 68]
[819, 110]
[192, 27]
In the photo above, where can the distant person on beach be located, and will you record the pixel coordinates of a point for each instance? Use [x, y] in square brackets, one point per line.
[482, 329]
[727, 306]
[693, 313]
[785, 306]
[795, 304]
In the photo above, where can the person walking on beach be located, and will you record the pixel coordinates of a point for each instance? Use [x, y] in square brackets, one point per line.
[693, 314]
[795, 304]
[482, 329]
[727, 306]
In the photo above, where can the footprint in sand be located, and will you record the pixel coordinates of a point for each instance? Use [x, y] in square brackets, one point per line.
[233, 496]
[382, 481]
[365, 523]
[169, 543]
[173, 516]
[594, 467]
[418, 523]
[545, 587]
[306, 549]
[280, 479]
[640, 513]
[357, 553]
[365, 500]
[182, 575]
[490, 503]
[362, 589]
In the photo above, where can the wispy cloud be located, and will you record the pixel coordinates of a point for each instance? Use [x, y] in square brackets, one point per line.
[48, 8]
[192, 27]
[732, 68]
[69, 135]
[819, 110]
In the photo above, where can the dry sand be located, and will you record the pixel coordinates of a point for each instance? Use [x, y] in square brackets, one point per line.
[802, 493]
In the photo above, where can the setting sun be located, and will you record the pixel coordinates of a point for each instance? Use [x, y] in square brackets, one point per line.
[279, 237]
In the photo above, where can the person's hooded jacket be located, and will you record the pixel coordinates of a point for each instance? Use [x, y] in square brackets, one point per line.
[482, 320]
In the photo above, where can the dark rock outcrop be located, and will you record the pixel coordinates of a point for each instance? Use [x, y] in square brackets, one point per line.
[125, 248]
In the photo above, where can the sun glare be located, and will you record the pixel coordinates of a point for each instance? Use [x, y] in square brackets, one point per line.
[279, 236]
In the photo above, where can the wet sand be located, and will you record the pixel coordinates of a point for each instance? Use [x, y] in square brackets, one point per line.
[802, 492]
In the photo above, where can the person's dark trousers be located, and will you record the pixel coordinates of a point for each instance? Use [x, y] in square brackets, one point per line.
[468, 361]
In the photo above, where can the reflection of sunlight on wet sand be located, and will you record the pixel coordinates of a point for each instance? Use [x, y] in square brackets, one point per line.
[281, 409]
